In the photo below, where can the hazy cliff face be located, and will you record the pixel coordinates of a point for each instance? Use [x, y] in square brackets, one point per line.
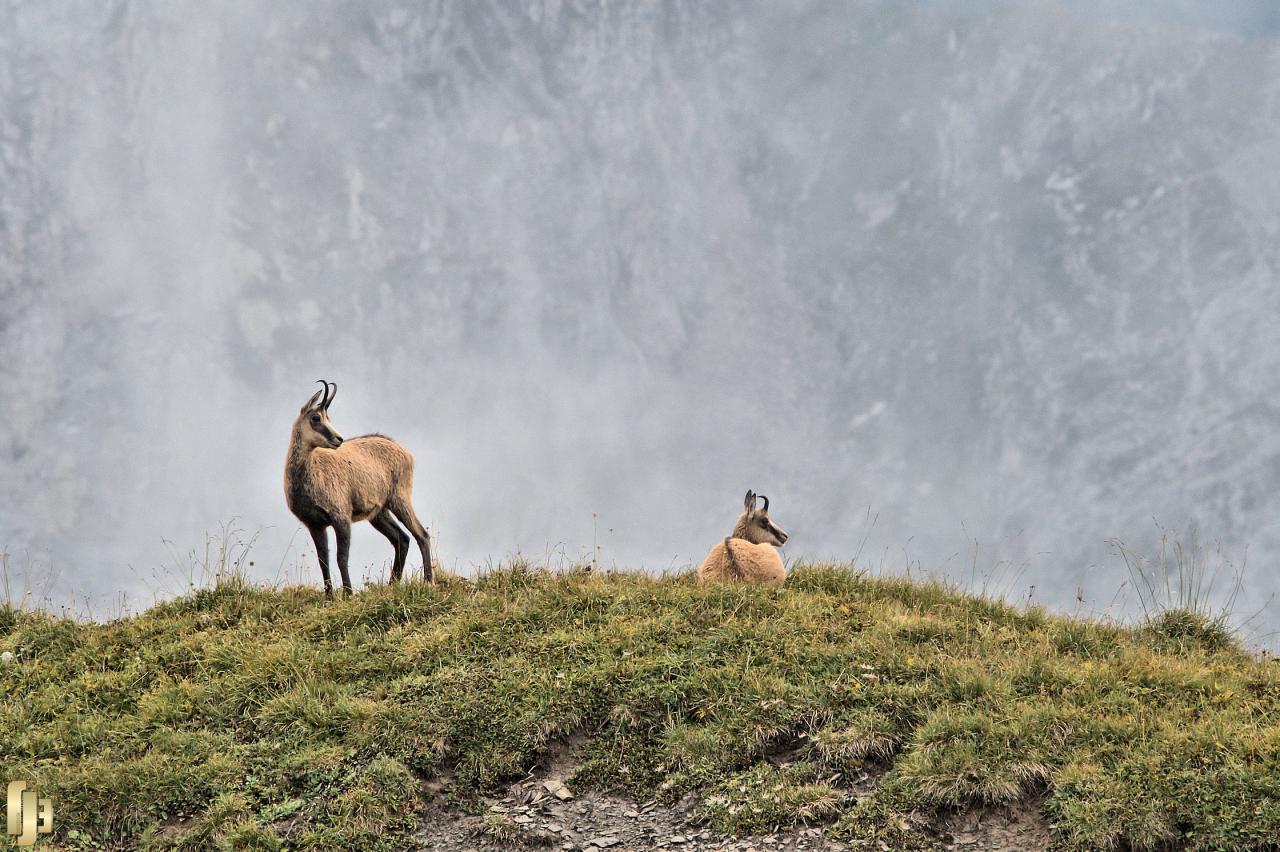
[1007, 276]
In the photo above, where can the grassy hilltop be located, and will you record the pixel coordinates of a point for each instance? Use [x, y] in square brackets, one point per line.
[249, 717]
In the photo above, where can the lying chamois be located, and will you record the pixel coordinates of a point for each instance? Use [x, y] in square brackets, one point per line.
[748, 554]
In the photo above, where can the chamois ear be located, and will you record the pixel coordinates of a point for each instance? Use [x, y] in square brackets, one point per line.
[750, 502]
[311, 403]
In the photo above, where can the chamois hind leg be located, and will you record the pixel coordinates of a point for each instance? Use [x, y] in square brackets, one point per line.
[320, 536]
[403, 510]
[342, 532]
[399, 539]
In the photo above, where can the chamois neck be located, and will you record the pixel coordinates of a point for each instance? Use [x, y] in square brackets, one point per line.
[298, 452]
[740, 529]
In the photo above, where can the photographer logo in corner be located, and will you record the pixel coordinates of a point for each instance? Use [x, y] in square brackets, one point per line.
[29, 815]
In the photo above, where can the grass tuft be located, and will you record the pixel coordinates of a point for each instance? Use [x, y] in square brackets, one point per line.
[1182, 631]
[764, 798]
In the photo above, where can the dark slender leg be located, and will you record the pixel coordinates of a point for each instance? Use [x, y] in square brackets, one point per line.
[320, 535]
[399, 539]
[405, 515]
[342, 532]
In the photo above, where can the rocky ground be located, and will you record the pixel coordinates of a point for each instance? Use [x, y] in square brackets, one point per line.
[593, 822]
[542, 812]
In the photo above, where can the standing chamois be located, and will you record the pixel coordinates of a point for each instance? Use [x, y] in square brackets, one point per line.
[329, 482]
[748, 553]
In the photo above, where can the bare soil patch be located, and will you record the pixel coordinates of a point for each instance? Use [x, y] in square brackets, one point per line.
[1019, 826]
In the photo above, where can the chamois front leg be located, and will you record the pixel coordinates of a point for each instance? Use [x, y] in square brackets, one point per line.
[320, 536]
[342, 532]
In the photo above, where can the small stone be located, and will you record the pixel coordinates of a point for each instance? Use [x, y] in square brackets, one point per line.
[604, 842]
[6, 658]
[557, 789]
[678, 838]
[631, 814]
[555, 827]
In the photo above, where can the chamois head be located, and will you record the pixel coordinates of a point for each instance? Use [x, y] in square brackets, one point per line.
[312, 428]
[754, 524]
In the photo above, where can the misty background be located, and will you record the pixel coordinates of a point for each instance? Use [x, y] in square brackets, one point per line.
[969, 288]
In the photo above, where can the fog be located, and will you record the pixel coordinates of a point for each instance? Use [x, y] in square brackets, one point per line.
[968, 289]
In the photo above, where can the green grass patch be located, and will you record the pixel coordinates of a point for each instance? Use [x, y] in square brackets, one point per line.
[256, 718]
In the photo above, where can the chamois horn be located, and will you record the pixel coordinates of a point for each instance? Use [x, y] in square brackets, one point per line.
[329, 393]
